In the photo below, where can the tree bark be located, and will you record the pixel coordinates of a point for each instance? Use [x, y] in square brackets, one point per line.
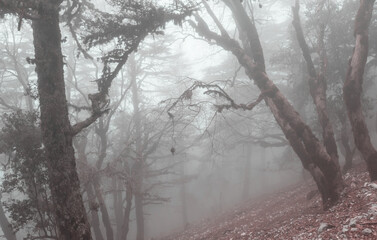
[318, 86]
[352, 89]
[57, 134]
[317, 83]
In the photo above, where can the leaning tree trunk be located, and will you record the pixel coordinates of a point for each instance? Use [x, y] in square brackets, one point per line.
[353, 87]
[57, 133]
[310, 150]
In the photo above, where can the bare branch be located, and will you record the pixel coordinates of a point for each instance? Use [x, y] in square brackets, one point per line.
[87, 122]
[301, 39]
[216, 91]
[242, 106]
[215, 19]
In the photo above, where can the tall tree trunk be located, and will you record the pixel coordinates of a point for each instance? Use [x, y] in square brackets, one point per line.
[101, 131]
[139, 207]
[353, 87]
[127, 211]
[117, 207]
[57, 133]
[139, 161]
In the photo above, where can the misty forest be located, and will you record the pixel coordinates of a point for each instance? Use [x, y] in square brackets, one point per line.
[188, 119]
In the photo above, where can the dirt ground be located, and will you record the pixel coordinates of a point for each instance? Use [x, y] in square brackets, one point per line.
[289, 214]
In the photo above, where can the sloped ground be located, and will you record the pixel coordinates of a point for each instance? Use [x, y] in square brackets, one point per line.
[289, 215]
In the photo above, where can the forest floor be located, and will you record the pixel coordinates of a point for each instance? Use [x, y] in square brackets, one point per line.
[289, 214]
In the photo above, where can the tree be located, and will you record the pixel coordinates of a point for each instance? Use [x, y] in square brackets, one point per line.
[15, 49]
[353, 87]
[57, 131]
[26, 175]
[317, 83]
[310, 150]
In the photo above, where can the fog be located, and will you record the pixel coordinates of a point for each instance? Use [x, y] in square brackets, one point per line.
[173, 128]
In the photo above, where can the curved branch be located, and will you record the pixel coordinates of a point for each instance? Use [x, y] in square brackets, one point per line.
[87, 122]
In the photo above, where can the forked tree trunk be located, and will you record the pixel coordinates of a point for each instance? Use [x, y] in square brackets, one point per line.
[318, 87]
[353, 87]
[312, 153]
[57, 134]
